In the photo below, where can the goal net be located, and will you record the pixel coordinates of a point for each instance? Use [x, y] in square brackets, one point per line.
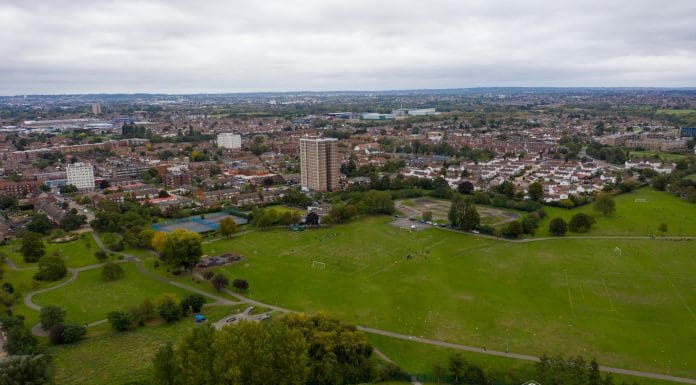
[617, 251]
[640, 200]
[318, 265]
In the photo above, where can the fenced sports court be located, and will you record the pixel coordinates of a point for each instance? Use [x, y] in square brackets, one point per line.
[198, 223]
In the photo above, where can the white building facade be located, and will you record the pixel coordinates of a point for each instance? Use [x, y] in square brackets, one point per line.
[81, 175]
[229, 140]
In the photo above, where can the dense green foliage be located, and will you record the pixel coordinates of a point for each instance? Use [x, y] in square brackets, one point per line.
[26, 370]
[32, 247]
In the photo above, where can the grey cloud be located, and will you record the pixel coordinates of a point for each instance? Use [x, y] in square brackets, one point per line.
[226, 46]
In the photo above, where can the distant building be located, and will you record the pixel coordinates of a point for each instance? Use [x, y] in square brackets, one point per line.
[688, 132]
[81, 175]
[96, 109]
[319, 164]
[229, 140]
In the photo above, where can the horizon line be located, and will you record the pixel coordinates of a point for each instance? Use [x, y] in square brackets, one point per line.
[219, 93]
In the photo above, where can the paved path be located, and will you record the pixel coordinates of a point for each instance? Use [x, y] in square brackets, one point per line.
[517, 356]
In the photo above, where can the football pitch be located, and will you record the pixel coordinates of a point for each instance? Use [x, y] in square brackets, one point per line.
[635, 310]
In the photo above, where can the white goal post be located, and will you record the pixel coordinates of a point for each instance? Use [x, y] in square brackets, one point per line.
[318, 265]
[617, 251]
[640, 200]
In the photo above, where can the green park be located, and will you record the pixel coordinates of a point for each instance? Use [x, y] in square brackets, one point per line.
[621, 293]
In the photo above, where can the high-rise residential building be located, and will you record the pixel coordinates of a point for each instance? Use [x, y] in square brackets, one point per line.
[319, 163]
[229, 140]
[96, 108]
[80, 175]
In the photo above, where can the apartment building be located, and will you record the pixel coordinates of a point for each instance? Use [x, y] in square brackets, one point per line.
[319, 163]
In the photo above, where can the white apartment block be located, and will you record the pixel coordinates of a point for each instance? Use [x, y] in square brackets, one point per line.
[81, 175]
[229, 140]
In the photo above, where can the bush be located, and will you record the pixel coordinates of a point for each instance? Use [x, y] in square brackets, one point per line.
[240, 284]
[55, 334]
[513, 230]
[101, 255]
[120, 320]
[558, 227]
[208, 275]
[169, 309]
[220, 282]
[112, 271]
[142, 313]
[50, 316]
[117, 246]
[581, 223]
[193, 301]
[51, 268]
[72, 333]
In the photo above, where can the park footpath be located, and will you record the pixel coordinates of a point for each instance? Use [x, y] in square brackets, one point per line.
[245, 300]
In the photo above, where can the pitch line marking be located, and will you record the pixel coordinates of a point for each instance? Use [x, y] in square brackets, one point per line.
[606, 290]
[680, 297]
[570, 296]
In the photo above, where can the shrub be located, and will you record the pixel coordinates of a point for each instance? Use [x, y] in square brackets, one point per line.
[73, 333]
[101, 255]
[220, 282]
[55, 334]
[581, 223]
[240, 284]
[558, 227]
[142, 313]
[208, 275]
[193, 301]
[51, 268]
[112, 271]
[168, 308]
[51, 315]
[120, 320]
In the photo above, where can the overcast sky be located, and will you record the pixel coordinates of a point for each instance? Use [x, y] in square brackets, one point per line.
[94, 46]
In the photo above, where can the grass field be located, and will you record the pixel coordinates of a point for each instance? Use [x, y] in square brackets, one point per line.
[90, 298]
[419, 359]
[666, 156]
[77, 253]
[106, 357]
[634, 217]
[560, 296]
[415, 208]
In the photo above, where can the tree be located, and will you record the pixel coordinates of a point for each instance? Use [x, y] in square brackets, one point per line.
[32, 247]
[26, 370]
[168, 308]
[220, 282]
[164, 365]
[465, 187]
[40, 223]
[513, 230]
[247, 353]
[182, 248]
[581, 223]
[228, 226]
[662, 228]
[66, 334]
[100, 255]
[312, 219]
[120, 320]
[51, 268]
[112, 271]
[604, 203]
[240, 284]
[558, 227]
[427, 216]
[8, 201]
[463, 214]
[72, 221]
[73, 333]
[439, 372]
[158, 240]
[535, 191]
[51, 315]
[196, 301]
[68, 189]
